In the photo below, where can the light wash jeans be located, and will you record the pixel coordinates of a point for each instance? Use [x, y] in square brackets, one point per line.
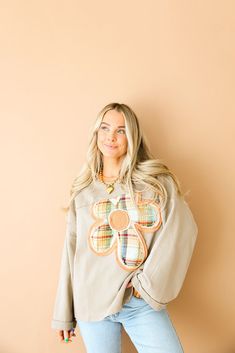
[150, 331]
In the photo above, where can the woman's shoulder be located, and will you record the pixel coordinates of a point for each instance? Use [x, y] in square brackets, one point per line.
[168, 182]
[84, 196]
[164, 180]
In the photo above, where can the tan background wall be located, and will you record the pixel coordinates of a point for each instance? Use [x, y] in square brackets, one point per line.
[61, 62]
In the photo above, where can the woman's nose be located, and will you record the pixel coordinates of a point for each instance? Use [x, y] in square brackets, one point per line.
[111, 135]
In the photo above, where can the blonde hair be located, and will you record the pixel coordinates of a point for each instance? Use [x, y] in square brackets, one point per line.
[138, 165]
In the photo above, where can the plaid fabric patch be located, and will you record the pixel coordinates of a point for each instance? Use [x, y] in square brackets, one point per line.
[148, 215]
[103, 208]
[131, 249]
[102, 238]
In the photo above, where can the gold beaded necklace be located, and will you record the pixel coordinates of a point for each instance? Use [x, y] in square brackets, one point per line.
[109, 186]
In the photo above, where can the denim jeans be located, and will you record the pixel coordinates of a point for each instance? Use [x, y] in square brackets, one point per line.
[150, 331]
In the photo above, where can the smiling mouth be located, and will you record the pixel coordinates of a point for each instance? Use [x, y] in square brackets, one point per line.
[111, 147]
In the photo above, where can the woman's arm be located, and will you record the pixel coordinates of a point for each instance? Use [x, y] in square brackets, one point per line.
[164, 271]
[63, 315]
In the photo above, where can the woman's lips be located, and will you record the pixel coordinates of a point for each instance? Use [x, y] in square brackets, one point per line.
[110, 147]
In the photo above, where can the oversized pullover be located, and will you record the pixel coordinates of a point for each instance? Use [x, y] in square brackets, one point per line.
[109, 242]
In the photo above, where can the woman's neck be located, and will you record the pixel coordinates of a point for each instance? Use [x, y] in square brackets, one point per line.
[111, 169]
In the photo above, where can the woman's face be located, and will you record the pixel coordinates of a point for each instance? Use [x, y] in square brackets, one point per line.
[111, 139]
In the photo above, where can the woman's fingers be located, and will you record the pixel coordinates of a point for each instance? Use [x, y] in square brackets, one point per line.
[61, 334]
[71, 333]
[65, 336]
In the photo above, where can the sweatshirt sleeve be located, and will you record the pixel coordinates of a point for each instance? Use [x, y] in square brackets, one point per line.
[63, 314]
[164, 271]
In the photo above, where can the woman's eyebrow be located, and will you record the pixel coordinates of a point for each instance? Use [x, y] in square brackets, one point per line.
[103, 122]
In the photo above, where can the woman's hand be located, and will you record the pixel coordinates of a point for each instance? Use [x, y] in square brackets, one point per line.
[129, 285]
[63, 334]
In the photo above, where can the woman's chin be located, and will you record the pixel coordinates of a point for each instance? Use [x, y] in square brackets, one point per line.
[109, 152]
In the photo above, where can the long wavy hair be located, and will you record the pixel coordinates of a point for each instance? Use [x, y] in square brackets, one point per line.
[138, 165]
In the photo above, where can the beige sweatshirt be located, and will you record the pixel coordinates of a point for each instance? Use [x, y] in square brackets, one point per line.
[109, 242]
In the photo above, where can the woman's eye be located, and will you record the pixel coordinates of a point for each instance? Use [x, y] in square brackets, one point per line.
[122, 131]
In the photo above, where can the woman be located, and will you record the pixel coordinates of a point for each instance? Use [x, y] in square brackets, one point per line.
[129, 240]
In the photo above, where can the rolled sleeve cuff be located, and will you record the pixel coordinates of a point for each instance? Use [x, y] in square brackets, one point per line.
[151, 301]
[63, 325]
